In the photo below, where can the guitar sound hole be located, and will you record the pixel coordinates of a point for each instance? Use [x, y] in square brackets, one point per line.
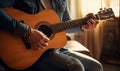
[46, 30]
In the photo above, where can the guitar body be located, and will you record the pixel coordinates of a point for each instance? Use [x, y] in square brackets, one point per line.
[12, 49]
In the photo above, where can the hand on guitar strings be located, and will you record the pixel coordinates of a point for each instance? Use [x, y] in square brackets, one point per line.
[37, 39]
[91, 23]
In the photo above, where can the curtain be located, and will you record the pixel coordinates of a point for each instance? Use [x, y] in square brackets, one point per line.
[92, 39]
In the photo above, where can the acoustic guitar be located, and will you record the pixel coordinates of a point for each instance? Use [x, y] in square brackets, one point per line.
[18, 54]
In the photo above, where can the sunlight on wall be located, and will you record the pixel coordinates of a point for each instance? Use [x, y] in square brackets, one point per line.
[79, 8]
[72, 8]
[91, 6]
[115, 4]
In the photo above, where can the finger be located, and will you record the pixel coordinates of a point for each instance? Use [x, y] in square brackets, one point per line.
[85, 27]
[40, 47]
[92, 22]
[89, 23]
[46, 39]
[91, 15]
[34, 46]
[43, 43]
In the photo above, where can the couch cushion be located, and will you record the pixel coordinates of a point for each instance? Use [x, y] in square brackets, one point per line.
[78, 47]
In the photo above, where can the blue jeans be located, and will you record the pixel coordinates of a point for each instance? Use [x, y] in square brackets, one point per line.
[63, 60]
[89, 63]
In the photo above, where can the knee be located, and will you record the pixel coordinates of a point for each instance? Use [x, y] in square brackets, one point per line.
[95, 66]
[98, 67]
[74, 64]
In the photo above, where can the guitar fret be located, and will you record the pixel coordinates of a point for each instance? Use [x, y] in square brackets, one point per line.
[61, 27]
[66, 25]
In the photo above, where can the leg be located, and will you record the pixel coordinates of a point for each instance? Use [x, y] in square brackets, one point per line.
[57, 62]
[89, 63]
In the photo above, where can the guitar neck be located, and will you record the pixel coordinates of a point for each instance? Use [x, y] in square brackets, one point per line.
[59, 27]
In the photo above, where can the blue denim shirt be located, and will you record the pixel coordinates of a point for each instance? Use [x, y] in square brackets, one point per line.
[30, 6]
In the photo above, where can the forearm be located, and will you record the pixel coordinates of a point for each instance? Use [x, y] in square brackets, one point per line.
[11, 25]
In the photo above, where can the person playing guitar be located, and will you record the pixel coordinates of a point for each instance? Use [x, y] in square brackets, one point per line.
[32, 37]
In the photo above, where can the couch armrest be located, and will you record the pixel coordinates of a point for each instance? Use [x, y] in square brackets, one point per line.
[78, 47]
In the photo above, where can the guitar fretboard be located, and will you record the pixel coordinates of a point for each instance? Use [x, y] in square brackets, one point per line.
[59, 27]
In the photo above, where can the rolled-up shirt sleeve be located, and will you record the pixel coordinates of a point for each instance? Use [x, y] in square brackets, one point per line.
[11, 25]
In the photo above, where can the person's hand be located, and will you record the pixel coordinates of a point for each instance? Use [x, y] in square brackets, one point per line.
[91, 23]
[37, 39]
